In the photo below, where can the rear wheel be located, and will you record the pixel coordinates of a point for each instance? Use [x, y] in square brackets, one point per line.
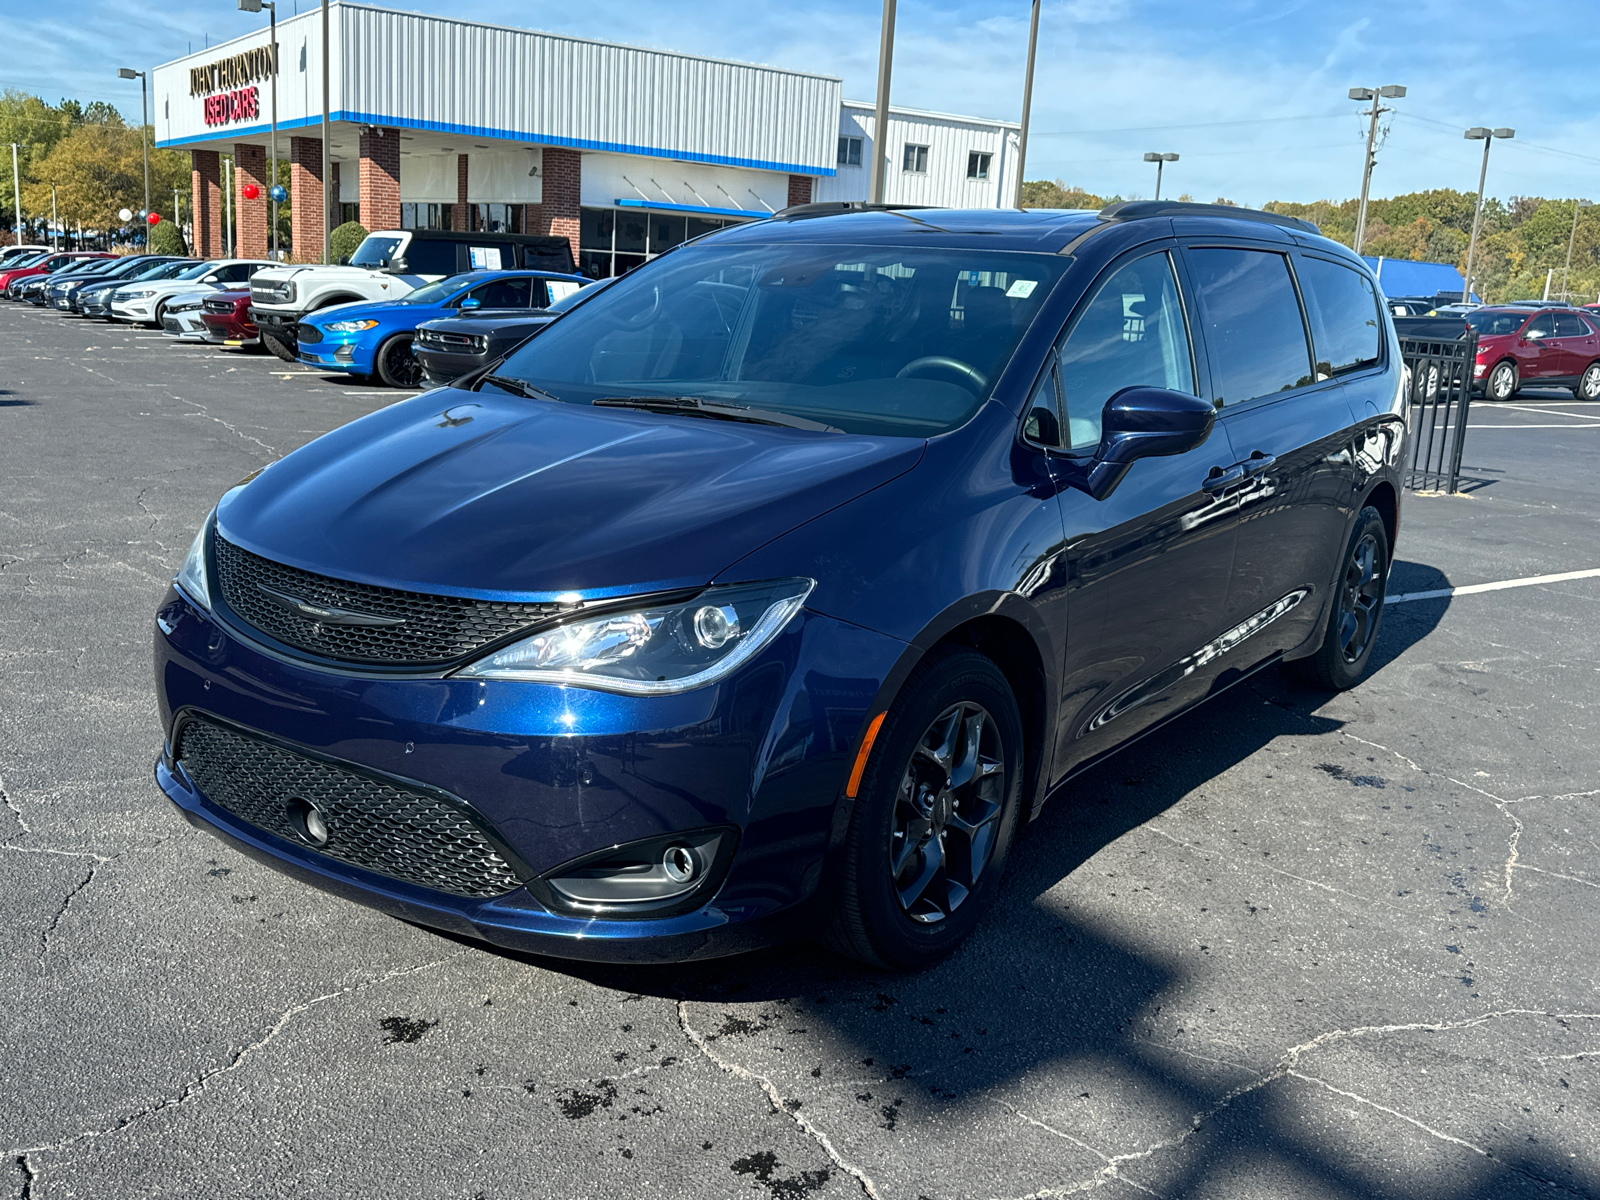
[397, 366]
[1589, 385]
[934, 816]
[1356, 611]
[279, 347]
[1503, 382]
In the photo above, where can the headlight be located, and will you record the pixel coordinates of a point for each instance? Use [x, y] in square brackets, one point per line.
[191, 577]
[137, 293]
[349, 326]
[656, 651]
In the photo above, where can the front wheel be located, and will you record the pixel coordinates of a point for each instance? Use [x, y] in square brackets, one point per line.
[934, 816]
[1356, 611]
[1589, 385]
[279, 347]
[397, 366]
[1502, 383]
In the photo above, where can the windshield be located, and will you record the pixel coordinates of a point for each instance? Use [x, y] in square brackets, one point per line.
[27, 259]
[1490, 323]
[866, 339]
[435, 293]
[195, 271]
[166, 270]
[375, 252]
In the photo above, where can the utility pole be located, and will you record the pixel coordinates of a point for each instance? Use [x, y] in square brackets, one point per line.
[1027, 98]
[1160, 161]
[880, 114]
[16, 191]
[1487, 136]
[144, 136]
[327, 225]
[177, 220]
[1577, 207]
[1392, 91]
[227, 207]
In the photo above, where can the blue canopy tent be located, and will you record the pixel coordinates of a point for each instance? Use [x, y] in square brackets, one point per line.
[1400, 277]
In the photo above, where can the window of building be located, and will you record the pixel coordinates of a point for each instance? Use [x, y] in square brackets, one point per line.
[1254, 332]
[915, 159]
[425, 216]
[978, 164]
[1344, 316]
[612, 241]
[849, 152]
[496, 218]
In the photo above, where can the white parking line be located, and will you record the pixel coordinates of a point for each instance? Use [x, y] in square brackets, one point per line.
[1596, 425]
[1546, 411]
[1502, 585]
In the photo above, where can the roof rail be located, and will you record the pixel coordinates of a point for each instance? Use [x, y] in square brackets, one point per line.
[831, 208]
[1133, 210]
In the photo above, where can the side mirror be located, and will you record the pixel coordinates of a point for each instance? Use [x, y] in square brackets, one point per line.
[396, 266]
[1143, 422]
[343, 261]
[471, 302]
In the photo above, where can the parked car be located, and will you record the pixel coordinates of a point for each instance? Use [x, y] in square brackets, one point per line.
[375, 338]
[44, 264]
[386, 266]
[1410, 306]
[226, 317]
[62, 291]
[34, 289]
[146, 303]
[180, 318]
[451, 347]
[93, 299]
[1547, 347]
[11, 256]
[768, 593]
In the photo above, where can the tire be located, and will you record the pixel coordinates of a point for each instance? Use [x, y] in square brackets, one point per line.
[280, 348]
[906, 809]
[160, 315]
[1503, 382]
[397, 366]
[1589, 383]
[1356, 612]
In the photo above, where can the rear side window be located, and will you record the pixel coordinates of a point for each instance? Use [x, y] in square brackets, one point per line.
[1132, 333]
[1344, 316]
[425, 256]
[1568, 325]
[1252, 323]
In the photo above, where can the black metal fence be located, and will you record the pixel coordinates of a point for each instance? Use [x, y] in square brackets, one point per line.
[1440, 352]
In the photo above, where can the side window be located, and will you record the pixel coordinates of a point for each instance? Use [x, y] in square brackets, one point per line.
[1344, 316]
[1044, 410]
[1568, 325]
[1132, 333]
[559, 289]
[1253, 329]
[1542, 326]
[503, 293]
[428, 256]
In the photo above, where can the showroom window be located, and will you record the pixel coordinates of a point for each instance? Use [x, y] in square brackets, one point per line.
[915, 160]
[978, 164]
[425, 216]
[849, 152]
[613, 241]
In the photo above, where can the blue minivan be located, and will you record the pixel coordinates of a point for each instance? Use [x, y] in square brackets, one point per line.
[771, 593]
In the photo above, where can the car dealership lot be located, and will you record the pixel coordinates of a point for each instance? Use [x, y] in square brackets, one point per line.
[1289, 946]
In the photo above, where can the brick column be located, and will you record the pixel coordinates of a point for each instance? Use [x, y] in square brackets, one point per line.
[380, 179]
[458, 212]
[563, 189]
[250, 217]
[800, 189]
[532, 218]
[305, 198]
[206, 201]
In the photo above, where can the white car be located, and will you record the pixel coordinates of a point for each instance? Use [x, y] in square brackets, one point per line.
[180, 316]
[146, 303]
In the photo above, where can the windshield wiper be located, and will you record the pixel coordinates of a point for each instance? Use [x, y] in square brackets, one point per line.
[518, 387]
[699, 406]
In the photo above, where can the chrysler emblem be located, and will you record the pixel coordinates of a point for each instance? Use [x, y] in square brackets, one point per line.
[325, 614]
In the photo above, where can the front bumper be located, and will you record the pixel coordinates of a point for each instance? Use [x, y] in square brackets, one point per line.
[558, 773]
[183, 326]
[276, 324]
[133, 310]
[228, 330]
[440, 367]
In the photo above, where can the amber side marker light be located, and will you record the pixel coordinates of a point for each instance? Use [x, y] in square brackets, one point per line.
[861, 756]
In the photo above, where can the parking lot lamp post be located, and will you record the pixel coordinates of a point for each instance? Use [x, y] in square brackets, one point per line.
[1479, 134]
[1577, 207]
[56, 245]
[144, 132]
[16, 191]
[255, 6]
[880, 112]
[1027, 98]
[1391, 91]
[1160, 161]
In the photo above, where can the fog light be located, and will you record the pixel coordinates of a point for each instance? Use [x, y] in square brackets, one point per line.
[679, 864]
[652, 877]
[306, 819]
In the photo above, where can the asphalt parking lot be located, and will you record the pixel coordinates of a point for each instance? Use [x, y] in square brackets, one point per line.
[1293, 946]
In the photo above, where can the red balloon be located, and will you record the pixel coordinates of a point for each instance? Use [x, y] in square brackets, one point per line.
[154, 218]
[250, 191]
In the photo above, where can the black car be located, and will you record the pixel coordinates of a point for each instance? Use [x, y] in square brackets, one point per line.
[93, 299]
[455, 346]
[62, 294]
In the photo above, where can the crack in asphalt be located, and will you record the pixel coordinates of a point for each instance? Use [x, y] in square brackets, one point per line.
[11, 804]
[61, 912]
[206, 413]
[776, 1099]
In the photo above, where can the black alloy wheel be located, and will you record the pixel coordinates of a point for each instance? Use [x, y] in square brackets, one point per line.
[397, 366]
[1356, 610]
[1502, 383]
[934, 817]
[1589, 385]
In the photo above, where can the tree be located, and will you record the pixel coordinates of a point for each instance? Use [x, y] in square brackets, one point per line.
[97, 169]
[1042, 193]
[345, 238]
[167, 238]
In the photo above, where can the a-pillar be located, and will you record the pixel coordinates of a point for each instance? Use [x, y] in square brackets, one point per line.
[206, 202]
[250, 217]
[559, 212]
[458, 213]
[380, 178]
[306, 213]
[799, 189]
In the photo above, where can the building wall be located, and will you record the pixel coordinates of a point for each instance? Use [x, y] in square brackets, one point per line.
[949, 140]
[608, 178]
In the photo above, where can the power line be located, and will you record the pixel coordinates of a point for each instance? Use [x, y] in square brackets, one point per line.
[1197, 125]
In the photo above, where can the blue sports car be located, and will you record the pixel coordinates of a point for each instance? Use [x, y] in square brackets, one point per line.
[374, 337]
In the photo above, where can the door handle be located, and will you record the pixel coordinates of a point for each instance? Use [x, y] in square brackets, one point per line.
[1221, 479]
[1257, 464]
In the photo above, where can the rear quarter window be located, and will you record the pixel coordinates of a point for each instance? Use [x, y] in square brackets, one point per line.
[426, 256]
[1343, 308]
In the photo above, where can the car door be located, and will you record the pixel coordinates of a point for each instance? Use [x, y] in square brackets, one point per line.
[1534, 360]
[1572, 345]
[1288, 420]
[1148, 565]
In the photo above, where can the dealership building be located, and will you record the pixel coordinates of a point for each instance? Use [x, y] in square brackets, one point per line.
[441, 123]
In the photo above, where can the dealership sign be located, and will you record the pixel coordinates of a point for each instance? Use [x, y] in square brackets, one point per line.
[228, 85]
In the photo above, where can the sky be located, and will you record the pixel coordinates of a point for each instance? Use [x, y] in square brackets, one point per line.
[1251, 95]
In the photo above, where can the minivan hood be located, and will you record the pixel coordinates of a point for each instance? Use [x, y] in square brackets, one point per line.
[495, 497]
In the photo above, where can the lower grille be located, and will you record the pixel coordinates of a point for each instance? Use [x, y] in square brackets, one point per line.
[426, 630]
[170, 324]
[304, 333]
[373, 824]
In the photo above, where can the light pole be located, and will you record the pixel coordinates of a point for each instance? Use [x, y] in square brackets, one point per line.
[1027, 98]
[1577, 207]
[1160, 161]
[16, 190]
[1392, 91]
[255, 6]
[880, 113]
[144, 133]
[1487, 136]
[227, 208]
[55, 244]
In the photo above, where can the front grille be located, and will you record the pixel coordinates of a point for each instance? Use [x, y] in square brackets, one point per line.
[218, 306]
[307, 333]
[434, 630]
[374, 824]
[271, 293]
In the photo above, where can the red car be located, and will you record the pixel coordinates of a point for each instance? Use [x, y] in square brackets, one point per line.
[226, 317]
[48, 266]
[1538, 347]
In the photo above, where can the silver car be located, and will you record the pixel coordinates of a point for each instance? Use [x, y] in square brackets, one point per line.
[146, 303]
